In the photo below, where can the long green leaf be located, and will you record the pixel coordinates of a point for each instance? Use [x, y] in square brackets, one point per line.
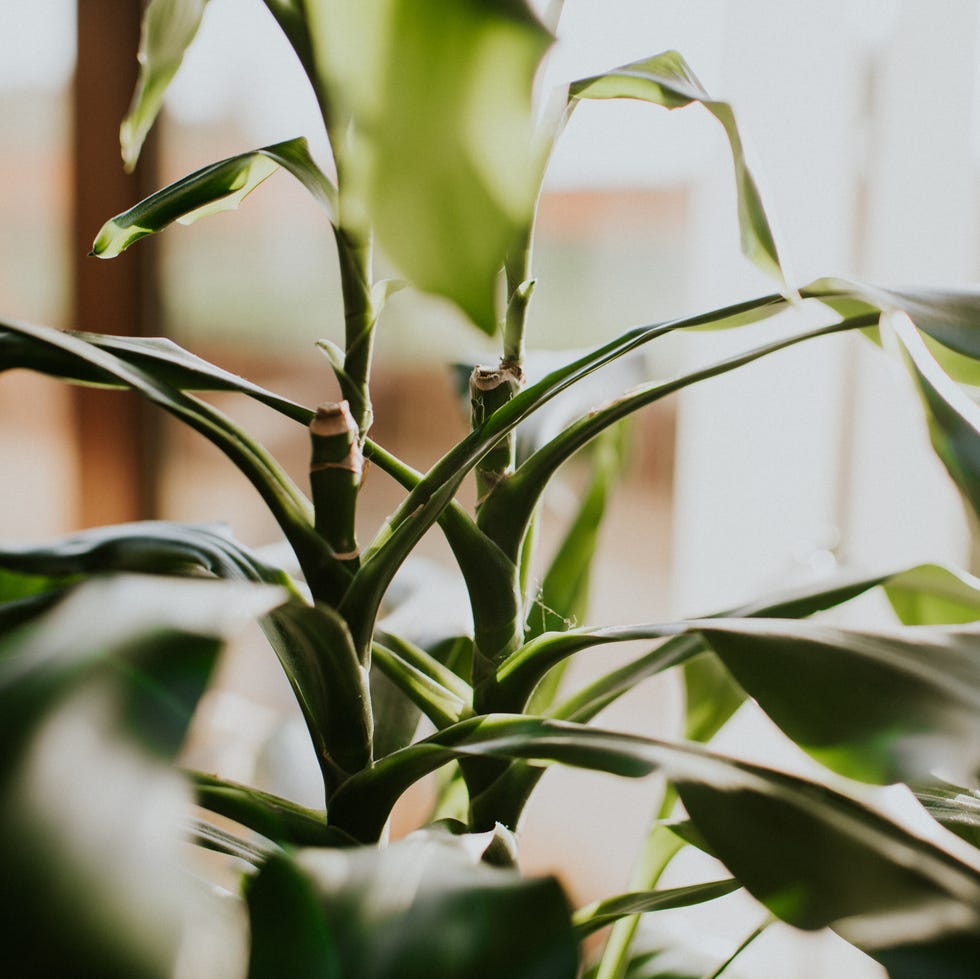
[954, 420]
[95, 699]
[146, 547]
[218, 187]
[435, 492]
[814, 856]
[880, 707]
[271, 816]
[923, 595]
[955, 807]
[169, 27]
[601, 913]
[285, 501]
[316, 652]
[426, 906]
[666, 79]
[508, 509]
[157, 356]
[405, 82]
[949, 317]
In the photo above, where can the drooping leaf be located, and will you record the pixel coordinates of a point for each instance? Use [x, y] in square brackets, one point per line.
[169, 27]
[427, 906]
[601, 913]
[666, 79]
[95, 698]
[815, 856]
[158, 356]
[949, 317]
[954, 420]
[880, 707]
[271, 816]
[438, 156]
[283, 498]
[144, 547]
[955, 807]
[218, 187]
[317, 654]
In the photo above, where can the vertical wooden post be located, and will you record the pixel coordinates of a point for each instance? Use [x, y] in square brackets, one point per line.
[115, 435]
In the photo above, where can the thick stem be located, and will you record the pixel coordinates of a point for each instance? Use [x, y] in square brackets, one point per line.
[491, 388]
[336, 468]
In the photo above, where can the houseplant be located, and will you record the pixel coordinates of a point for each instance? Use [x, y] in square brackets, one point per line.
[109, 637]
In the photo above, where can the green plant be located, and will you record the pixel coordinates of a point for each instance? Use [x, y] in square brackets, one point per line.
[109, 637]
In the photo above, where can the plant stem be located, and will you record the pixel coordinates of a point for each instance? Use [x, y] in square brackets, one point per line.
[355, 259]
[491, 388]
[336, 468]
[660, 848]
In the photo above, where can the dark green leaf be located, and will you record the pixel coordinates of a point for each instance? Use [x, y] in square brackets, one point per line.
[666, 79]
[446, 197]
[949, 317]
[284, 500]
[954, 420]
[880, 707]
[601, 913]
[955, 807]
[157, 356]
[92, 693]
[316, 652]
[146, 547]
[214, 188]
[424, 907]
[275, 818]
[814, 856]
[169, 27]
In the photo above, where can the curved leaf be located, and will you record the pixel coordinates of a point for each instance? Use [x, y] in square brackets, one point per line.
[601, 913]
[146, 547]
[284, 500]
[218, 187]
[813, 855]
[880, 707]
[954, 420]
[275, 818]
[316, 652]
[445, 196]
[157, 356]
[667, 79]
[949, 317]
[169, 27]
[92, 708]
[426, 906]
[955, 807]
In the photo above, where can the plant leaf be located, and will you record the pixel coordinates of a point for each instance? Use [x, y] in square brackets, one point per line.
[218, 187]
[955, 807]
[271, 816]
[169, 27]
[813, 855]
[949, 317]
[601, 913]
[158, 356]
[666, 79]
[92, 707]
[316, 652]
[287, 504]
[424, 907]
[954, 420]
[145, 547]
[445, 196]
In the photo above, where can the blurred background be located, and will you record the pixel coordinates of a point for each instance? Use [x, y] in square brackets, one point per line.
[862, 122]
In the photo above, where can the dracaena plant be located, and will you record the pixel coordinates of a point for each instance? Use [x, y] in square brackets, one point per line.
[108, 637]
